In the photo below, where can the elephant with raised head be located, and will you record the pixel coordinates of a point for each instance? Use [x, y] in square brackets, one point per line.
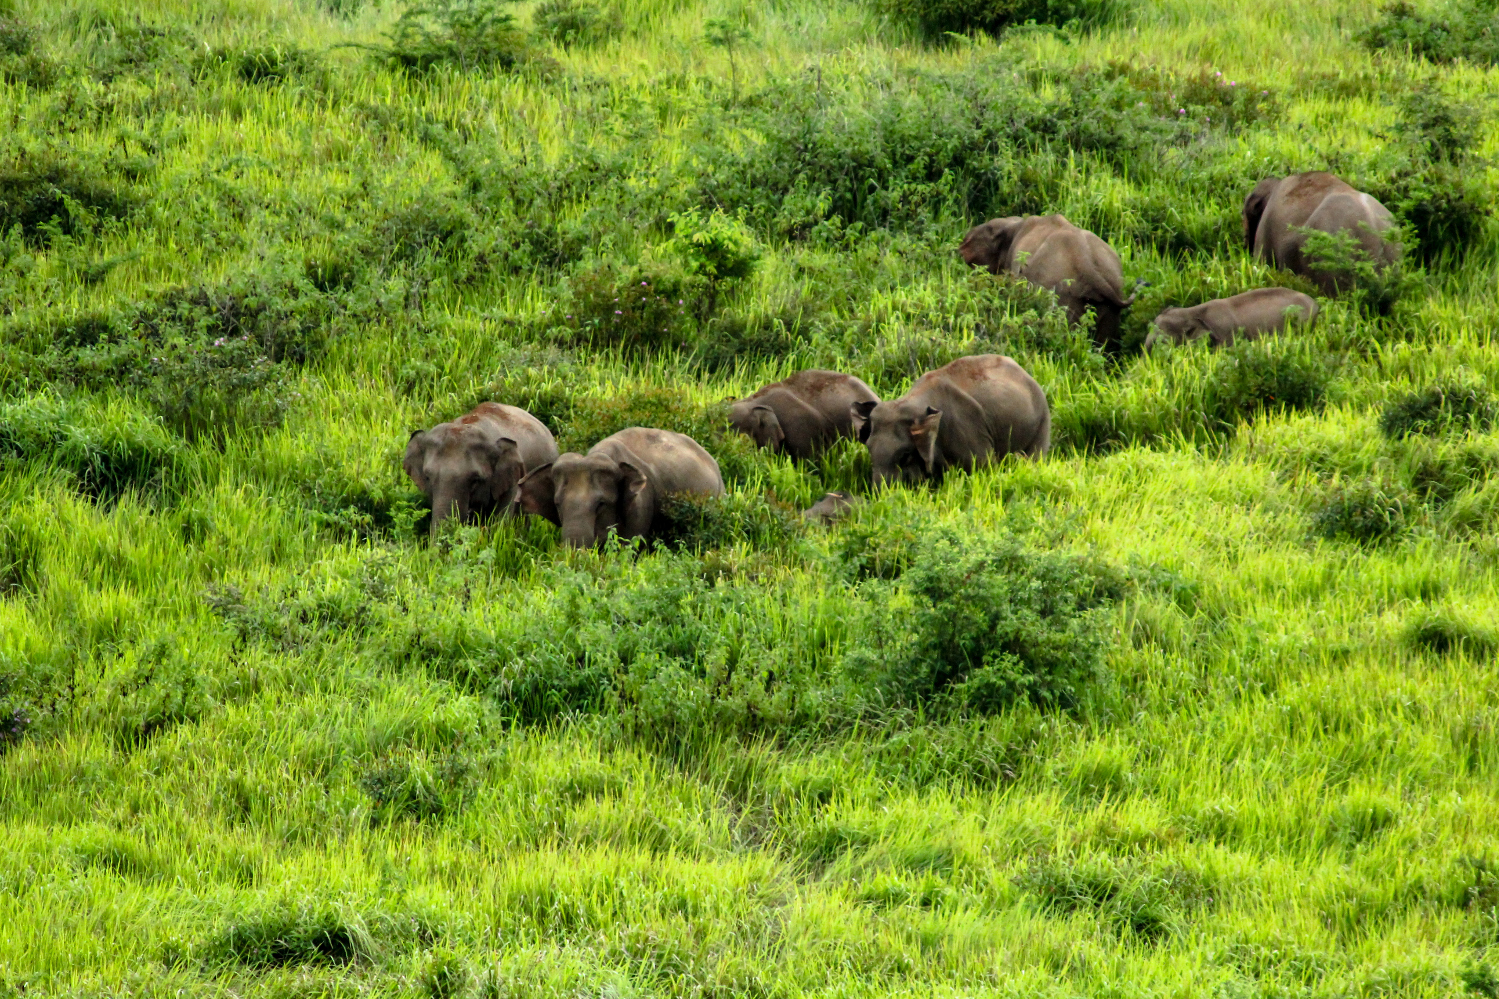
[967, 413]
[1050, 252]
[1247, 316]
[618, 484]
[471, 466]
[1279, 209]
[830, 508]
[802, 415]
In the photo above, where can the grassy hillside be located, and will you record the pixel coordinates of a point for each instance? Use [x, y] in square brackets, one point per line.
[1202, 704]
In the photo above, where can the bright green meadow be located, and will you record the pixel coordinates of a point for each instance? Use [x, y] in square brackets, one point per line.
[1202, 703]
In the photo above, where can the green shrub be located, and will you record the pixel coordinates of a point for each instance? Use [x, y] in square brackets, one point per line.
[1464, 29]
[640, 309]
[1374, 289]
[716, 250]
[417, 789]
[1366, 511]
[289, 937]
[20, 63]
[700, 523]
[577, 22]
[467, 35]
[990, 623]
[1130, 899]
[47, 193]
[935, 18]
[262, 63]
[1445, 632]
[1447, 408]
[106, 451]
[1255, 377]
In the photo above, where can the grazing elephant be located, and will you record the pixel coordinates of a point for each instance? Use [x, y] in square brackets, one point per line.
[831, 507]
[1264, 310]
[1051, 252]
[474, 463]
[802, 415]
[618, 484]
[1280, 206]
[972, 411]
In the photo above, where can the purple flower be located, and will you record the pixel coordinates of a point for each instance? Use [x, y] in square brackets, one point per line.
[642, 284]
[1181, 110]
[618, 313]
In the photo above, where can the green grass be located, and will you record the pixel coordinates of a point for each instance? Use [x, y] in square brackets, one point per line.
[258, 735]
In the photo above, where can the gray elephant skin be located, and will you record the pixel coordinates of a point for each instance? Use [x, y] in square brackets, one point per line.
[471, 466]
[1247, 316]
[975, 410]
[830, 508]
[1050, 252]
[618, 484]
[1279, 207]
[802, 415]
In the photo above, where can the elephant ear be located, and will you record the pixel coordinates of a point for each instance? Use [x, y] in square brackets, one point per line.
[924, 433]
[768, 432]
[416, 450]
[637, 501]
[537, 494]
[859, 413]
[1254, 208]
[506, 469]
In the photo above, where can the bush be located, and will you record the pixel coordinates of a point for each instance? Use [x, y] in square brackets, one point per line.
[1465, 29]
[262, 63]
[106, 450]
[416, 789]
[935, 18]
[467, 35]
[1255, 377]
[640, 309]
[716, 250]
[20, 63]
[1448, 408]
[1372, 288]
[1133, 901]
[1366, 511]
[1445, 632]
[700, 523]
[990, 623]
[47, 194]
[577, 22]
[287, 938]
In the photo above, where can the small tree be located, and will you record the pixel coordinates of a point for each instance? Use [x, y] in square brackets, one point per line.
[726, 35]
[716, 249]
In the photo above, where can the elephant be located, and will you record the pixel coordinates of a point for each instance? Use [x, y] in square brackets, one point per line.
[972, 411]
[1264, 310]
[618, 484]
[831, 507]
[1280, 207]
[474, 463]
[1050, 252]
[801, 415]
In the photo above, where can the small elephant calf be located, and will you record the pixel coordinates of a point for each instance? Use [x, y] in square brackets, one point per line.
[617, 485]
[1247, 316]
[802, 415]
[830, 508]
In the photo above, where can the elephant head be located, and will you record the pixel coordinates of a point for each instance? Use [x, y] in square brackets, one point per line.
[901, 437]
[1178, 326]
[989, 245]
[463, 473]
[1254, 207]
[588, 495]
[760, 423]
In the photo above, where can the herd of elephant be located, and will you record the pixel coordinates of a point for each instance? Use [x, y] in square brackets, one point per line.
[977, 409]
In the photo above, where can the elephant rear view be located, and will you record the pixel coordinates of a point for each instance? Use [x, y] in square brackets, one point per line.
[619, 484]
[1050, 252]
[471, 466]
[967, 413]
[1279, 209]
[802, 415]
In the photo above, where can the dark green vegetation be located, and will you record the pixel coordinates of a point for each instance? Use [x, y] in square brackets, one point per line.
[1201, 704]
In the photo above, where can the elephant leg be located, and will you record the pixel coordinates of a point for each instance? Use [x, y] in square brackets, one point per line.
[1106, 327]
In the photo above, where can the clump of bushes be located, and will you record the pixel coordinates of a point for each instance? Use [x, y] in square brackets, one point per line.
[47, 193]
[638, 309]
[20, 63]
[467, 35]
[577, 22]
[1445, 632]
[1366, 511]
[1446, 408]
[700, 523]
[289, 937]
[262, 63]
[936, 18]
[417, 789]
[1256, 377]
[1136, 902]
[1462, 29]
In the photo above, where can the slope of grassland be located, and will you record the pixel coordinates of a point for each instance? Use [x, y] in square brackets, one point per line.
[1203, 703]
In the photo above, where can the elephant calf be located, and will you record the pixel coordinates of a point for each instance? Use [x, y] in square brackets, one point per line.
[1279, 209]
[802, 415]
[618, 484]
[831, 507]
[1264, 310]
[972, 411]
[473, 464]
[1052, 253]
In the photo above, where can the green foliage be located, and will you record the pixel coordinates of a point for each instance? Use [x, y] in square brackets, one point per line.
[467, 35]
[1129, 898]
[936, 18]
[105, 450]
[1367, 511]
[418, 789]
[637, 309]
[20, 63]
[577, 22]
[1374, 287]
[701, 523]
[288, 937]
[1454, 407]
[48, 194]
[1463, 29]
[1444, 631]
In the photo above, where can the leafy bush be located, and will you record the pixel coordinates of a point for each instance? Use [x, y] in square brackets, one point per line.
[467, 35]
[20, 63]
[577, 22]
[700, 523]
[1464, 29]
[47, 193]
[263, 63]
[1373, 288]
[1132, 900]
[1445, 632]
[106, 450]
[416, 789]
[1366, 511]
[437, 224]
[990, 623]
[716, 250]
[1256, 377]
[643, 308]
[1453, 407]
[935, 18]
[289, 937]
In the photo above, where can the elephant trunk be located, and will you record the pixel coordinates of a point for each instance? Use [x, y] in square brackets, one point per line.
[447, 502]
